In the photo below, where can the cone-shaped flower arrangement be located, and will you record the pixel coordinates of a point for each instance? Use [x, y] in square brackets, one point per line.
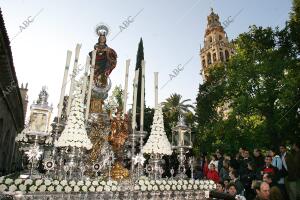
[74, 134]
[158, 142]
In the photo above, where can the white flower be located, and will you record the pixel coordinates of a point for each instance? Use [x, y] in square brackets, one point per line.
[3, 187]
[211, 182]
[88, 183]
[50, 188]
[115, 182]
[201, 187]
[92, 189]
[164, 182]
[72, 183]
[38, 182]
[167, 187]
[152, 182]
[197, 182]
[47, 182]
[195, 187]
[84, 188]
[58, 188]
[158, 182]
[184, 187]
[191, 181]
[179, 187]
[141, 182]
[173, 187]
[22, 187]
[76, 188]
[102, 183]
[185, 182]
[161, 187]
[64, 182]
[180, 182]
[68, 189]
[174, 182]
[12, 188]
[205, 187]
[136, 187]
[149, 187]
[147, 182]
[107, 188]
[109, 183]
[32, 188]
[113, 188]
[206, 182]
[210, 187]
[8, 181]
[95, 183]
[155, 188]
[170, 182]
[18, 181]
[99, 188]
[42, 188]
[201, 182]
[2, 179]
[55, 182]
[80, 183]
[143, 188]
[190, 186]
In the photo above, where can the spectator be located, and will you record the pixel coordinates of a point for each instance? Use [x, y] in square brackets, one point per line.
[226, 182]
[212, 173]
[258, 159]
[244, 162]
[232, 190]
[250, 175]
[234, 178]
[293, 178]
[275, 193]
[214, 160]
[268, 167]
[262, 190]
[220, 187]
[224, 171]
[205, 166]
[220, 158]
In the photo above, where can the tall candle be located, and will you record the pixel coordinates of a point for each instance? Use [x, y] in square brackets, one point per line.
[156, 87]
[87, 65]
[142, 97]
[88, 101]
[74, 73]
[64, 83]
[135, 83]
[126, 88]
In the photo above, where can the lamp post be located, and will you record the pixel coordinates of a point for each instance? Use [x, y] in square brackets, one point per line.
[181, 143]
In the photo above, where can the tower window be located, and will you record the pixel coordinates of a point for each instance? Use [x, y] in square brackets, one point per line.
[221, 56]
[226, 55]
[203, 63]
[220, 37]
[208, 58]
[210, 39]
[214, 57]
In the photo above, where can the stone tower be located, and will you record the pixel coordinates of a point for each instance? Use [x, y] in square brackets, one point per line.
[24, 91]
[216, 45]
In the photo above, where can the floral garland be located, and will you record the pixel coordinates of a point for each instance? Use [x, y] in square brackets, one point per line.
[143, 184]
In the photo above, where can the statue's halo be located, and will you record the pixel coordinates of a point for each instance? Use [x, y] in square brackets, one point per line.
[102, 28]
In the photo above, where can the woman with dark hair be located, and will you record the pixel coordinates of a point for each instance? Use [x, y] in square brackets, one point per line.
[247, 178]
[214, 160]
[224, 172]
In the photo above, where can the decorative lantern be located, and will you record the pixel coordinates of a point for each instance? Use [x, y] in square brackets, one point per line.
[181, 135]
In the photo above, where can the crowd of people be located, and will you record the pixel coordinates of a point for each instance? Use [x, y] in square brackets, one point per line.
[260, 175]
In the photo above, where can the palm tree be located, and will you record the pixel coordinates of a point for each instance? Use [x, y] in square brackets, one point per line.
[173, 106]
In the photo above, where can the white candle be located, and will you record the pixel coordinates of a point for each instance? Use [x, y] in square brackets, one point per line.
[77, 50]
[87, 65]
[156, 87]
[64, 83]
[88, 101]
[142, 97]
[126, 88]
[135, 83]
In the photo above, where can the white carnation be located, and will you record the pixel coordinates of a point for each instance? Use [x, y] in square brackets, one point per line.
[167, 187]
[50, 188]
[109, 183]
[32, 188]
[201, 187]
[147, 182]
[173, 187]
[68, 189]
[143, 188]
[184, 187]
[12, 188]
[158, 182]
[136, 187]
[95, 183]
[179, 187]
[64, 182]
[47, 182]
[38, 182]
[195, 187]
[210, 187]
[2, 179]
[107, 188]
[197, 182]
[155, 188]
[141, 182]
[80, 183]
[18, 181]
[180, 182]
[76, 188]
[88, 183]
[42, 188]
[190, 186]
[99, 188]
[161, 187]
[55, 182]
[205, 187]
[164, 182]
[72, 183]
[102, 183]
[113, 188]
[84, 188]
[8, 181]
[152, 182]
[58, 188]
[211, 182]
[185, 182]
[92, 189]
[3, 187]
[191, 181]
[149, 187]
[22, 187]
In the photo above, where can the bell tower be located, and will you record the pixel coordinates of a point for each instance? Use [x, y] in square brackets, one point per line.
[216, 45]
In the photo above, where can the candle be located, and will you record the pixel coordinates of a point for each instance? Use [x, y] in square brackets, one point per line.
[87, 65]
[142, 97]
[64, 83]
[126, 88]
[77, 50]
[135, 83]
[88, 101]
[156, 88]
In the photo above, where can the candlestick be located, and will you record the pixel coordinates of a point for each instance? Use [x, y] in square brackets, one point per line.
[126, 88]
[64, 84]
[156, 87]
[87, 65]
[135, 83]
[142, 97]
[88, 101]
[77, 50]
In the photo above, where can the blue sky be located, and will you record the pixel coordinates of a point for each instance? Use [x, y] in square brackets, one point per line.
[172, 31]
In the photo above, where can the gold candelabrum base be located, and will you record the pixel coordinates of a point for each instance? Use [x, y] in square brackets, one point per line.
[119, 172]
